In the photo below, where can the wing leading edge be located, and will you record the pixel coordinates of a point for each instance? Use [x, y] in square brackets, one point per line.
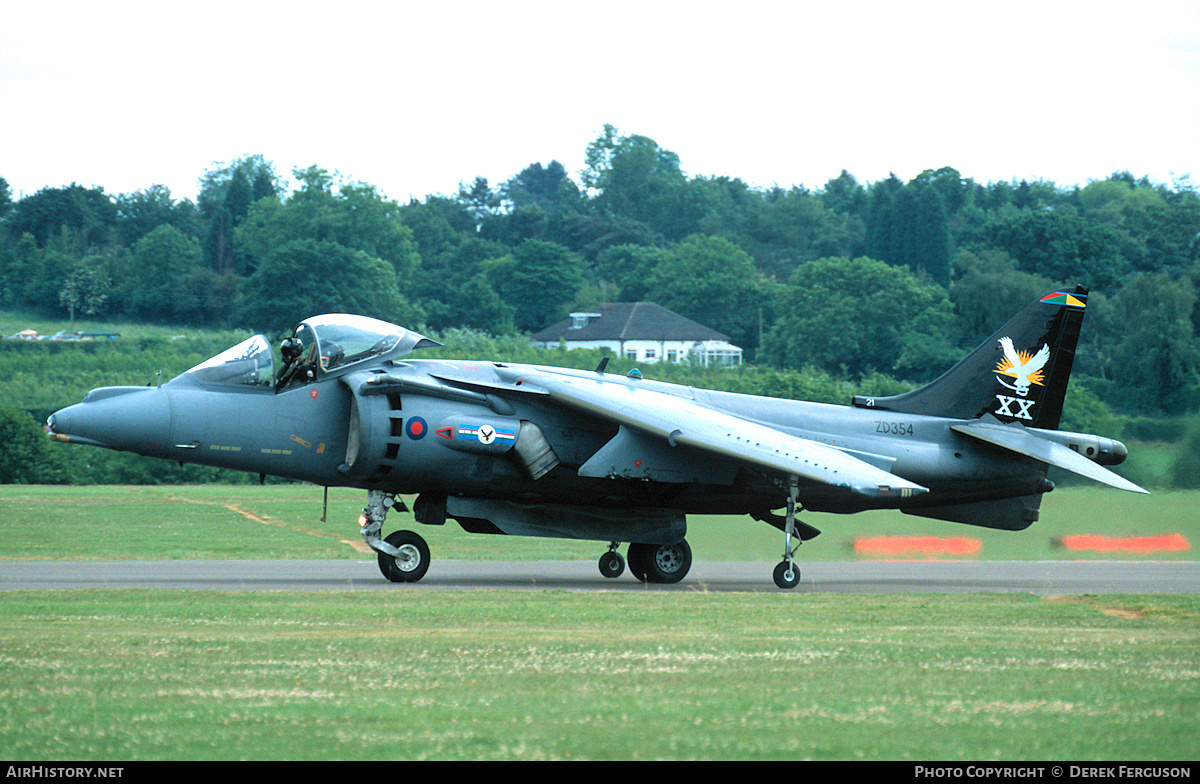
[684, 422]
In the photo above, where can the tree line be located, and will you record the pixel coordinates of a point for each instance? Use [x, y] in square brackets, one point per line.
[855, 279]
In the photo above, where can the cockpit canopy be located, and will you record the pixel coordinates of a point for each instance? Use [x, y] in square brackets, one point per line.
[319, 345]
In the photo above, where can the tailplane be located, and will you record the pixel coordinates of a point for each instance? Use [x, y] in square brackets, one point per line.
[1019, 374]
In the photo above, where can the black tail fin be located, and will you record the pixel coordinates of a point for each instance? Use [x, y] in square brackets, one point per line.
[1019, 374]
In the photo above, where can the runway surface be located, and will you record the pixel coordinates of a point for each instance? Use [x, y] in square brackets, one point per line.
[1049, 578]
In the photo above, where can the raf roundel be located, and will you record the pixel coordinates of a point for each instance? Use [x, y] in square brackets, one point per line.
[416, 428]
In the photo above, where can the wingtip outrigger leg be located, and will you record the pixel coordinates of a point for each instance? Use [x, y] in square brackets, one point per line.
[786, 574]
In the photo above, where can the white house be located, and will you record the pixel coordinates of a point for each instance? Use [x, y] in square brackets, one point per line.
[643, 332]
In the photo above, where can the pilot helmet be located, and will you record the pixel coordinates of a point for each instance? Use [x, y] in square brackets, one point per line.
[291, 348]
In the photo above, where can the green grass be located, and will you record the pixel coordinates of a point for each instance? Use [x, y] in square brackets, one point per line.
[284, 521]
[132, 675]
[530, 675]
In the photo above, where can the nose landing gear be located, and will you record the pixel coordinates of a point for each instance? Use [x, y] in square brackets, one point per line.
[403, 555]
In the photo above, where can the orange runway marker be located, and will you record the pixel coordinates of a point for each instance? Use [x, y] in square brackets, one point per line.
[917, 546]
[1160, 543]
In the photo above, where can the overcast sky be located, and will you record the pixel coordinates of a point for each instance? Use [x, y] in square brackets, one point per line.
[415, 98]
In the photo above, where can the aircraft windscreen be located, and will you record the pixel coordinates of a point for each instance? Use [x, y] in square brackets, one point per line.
[345, 339]
[250, 363]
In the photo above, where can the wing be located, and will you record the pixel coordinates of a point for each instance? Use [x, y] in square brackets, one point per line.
[1016, 438]
[681, 421]
[1010, 353]
[1038, 361]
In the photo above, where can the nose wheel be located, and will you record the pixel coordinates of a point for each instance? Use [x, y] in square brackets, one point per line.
[411, 560]
[403, 555]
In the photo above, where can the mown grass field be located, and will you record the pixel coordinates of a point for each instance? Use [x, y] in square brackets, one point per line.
[496, 675]
[284, 521]
[533, 675]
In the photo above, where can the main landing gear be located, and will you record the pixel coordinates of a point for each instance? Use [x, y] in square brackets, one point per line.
[650, 563]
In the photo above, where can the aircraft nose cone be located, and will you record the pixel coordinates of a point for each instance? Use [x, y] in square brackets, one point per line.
[1119, 453]
[129, 419]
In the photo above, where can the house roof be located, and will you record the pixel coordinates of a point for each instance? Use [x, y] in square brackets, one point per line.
[630, 321]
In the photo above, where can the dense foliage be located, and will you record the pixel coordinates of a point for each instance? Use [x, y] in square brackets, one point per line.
[852, 281]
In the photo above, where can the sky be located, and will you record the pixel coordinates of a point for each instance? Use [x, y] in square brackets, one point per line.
[417, 98]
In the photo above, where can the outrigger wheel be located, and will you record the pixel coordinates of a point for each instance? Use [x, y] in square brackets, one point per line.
[786, 574]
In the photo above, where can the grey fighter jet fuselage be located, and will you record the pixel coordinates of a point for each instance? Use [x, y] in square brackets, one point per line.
[542, 451]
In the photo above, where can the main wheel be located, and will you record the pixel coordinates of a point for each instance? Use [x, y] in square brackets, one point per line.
[413, 561]
[660, 563]
[786, 575]
[612, 564]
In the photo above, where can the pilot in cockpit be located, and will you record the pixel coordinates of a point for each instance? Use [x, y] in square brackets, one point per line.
[299, 359]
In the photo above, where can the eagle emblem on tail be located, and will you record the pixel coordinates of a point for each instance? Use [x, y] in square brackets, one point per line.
[1024, 367]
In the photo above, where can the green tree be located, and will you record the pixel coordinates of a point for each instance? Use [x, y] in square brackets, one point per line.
[226, 195]
[157, 284]
[843, 194]
[908, 227]
[1154, 362]
[84, 217]
[356, 217]
[949, 185]
[859, 317]
[23, 263]
[86, 289]
[633, 177]
[479, 200]
[1060, 245]
[545, 187]
[308, 277]
[5, 198]
[988, 291]
[28, 456]
[629, 267]
[713, 282]
[537, 280]
[141, 212]
[253, 171]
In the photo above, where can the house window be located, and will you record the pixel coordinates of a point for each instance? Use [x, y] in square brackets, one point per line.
[672, 355]
[581, 320]
[631, 353]
[651, 354]
[721, 357]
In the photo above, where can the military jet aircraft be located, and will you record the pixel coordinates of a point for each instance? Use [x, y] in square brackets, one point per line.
[540, 451]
